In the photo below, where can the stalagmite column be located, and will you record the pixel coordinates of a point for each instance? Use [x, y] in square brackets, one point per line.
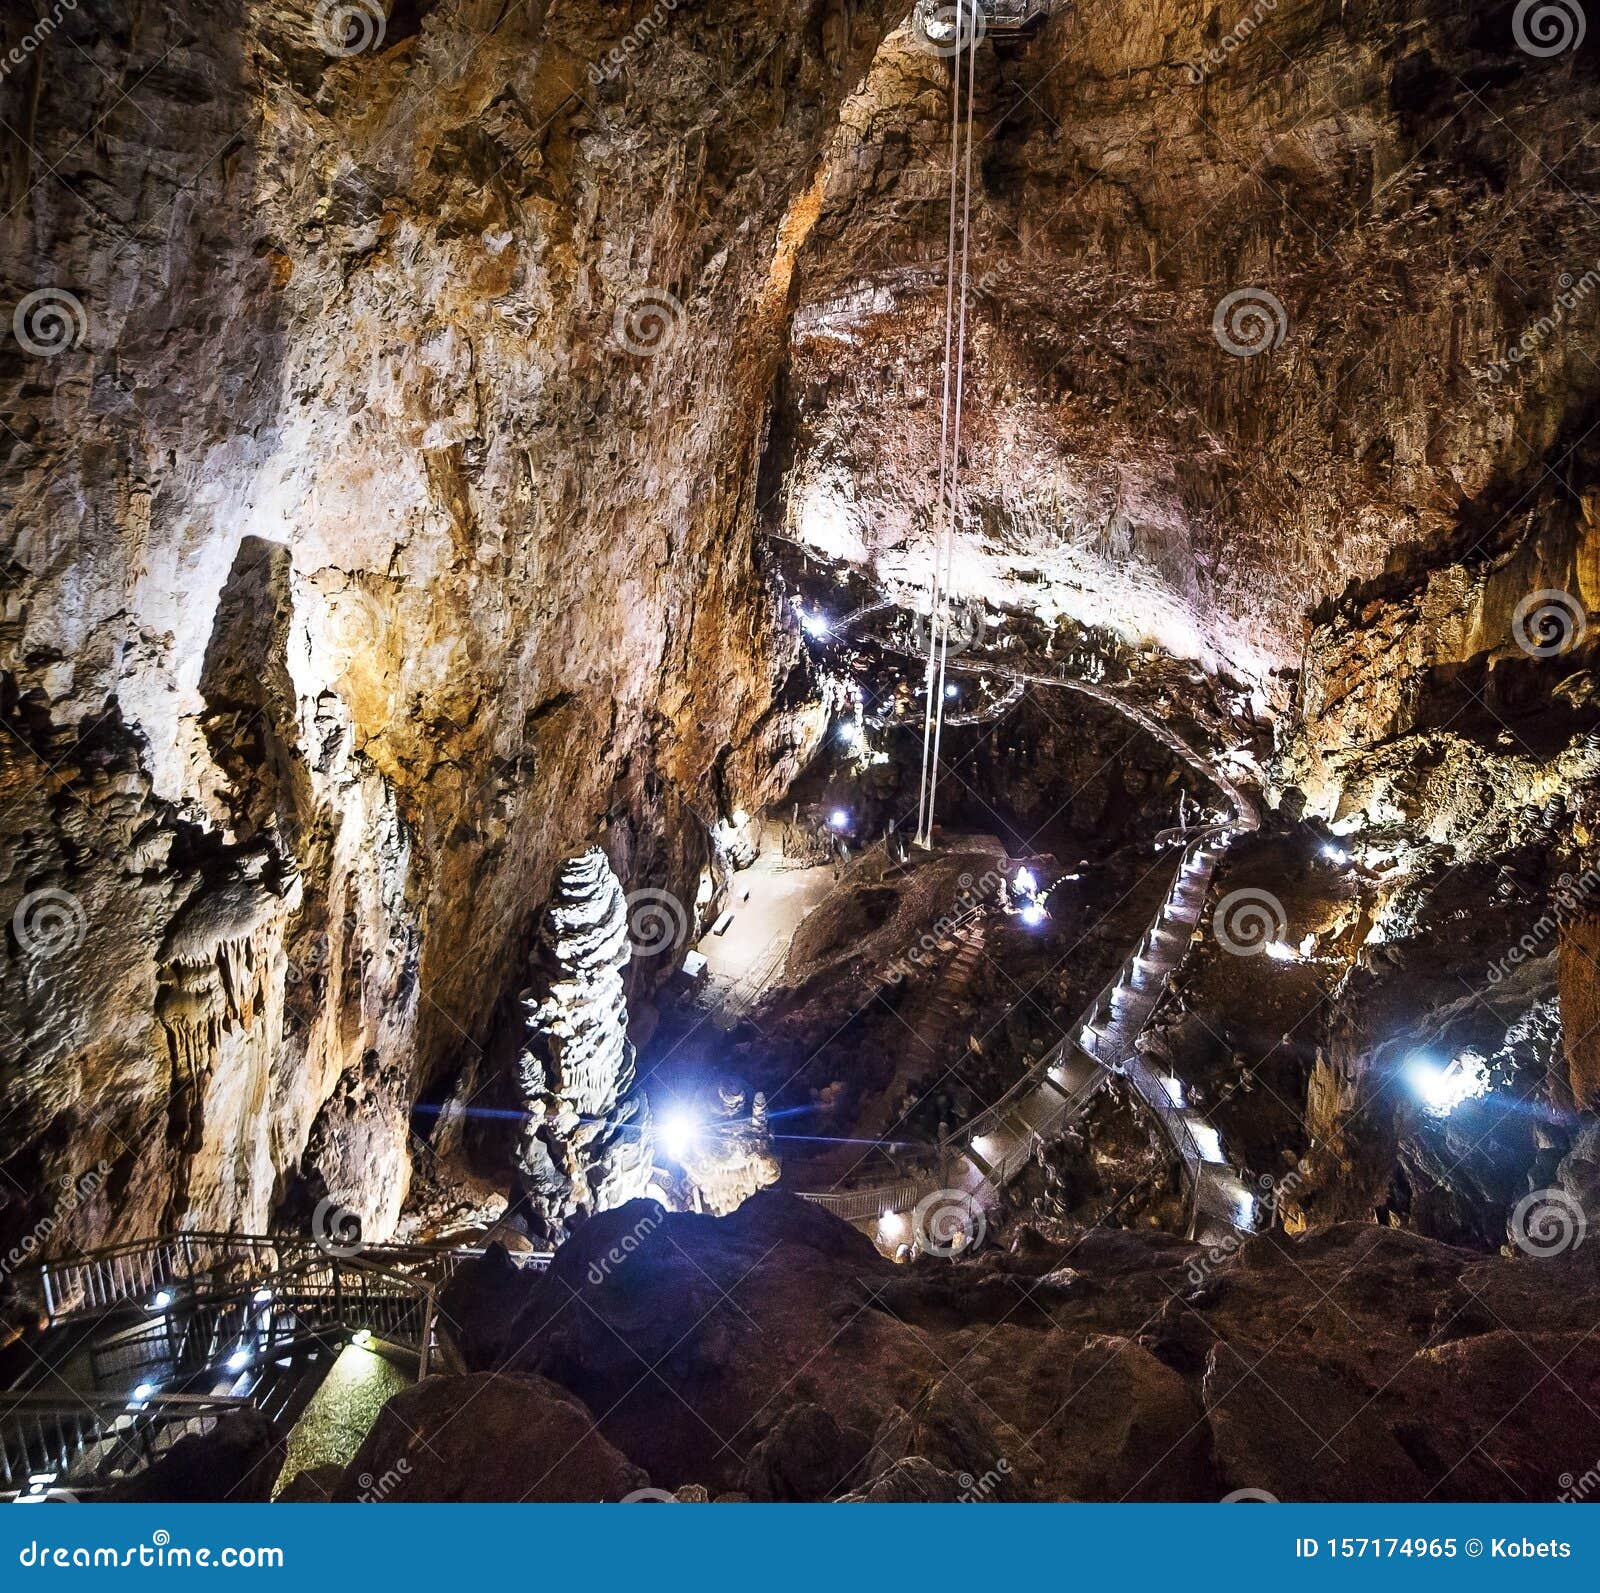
[588, 1143]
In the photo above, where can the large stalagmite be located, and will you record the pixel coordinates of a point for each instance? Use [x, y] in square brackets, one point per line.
[588, 1142]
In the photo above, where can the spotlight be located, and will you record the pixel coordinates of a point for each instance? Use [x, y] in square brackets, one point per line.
[1442, 1089]
[1335, 854]
[1026, 883]
[162, 1300]
[852, 735]
[361, 1338]
[143, 1390]
[839, 819]
[891, 1228]
[239, 1359]
[679, 1131]
[952, 691]
[1279, 952]
[1034, 914]
[813, 625]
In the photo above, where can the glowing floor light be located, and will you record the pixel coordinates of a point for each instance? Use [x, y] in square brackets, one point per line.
[361, 1338]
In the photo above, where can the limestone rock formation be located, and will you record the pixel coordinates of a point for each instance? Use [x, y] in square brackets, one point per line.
[588, 1143]
[730, 1154]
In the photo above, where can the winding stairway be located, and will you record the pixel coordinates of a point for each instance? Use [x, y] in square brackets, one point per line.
[976, 1162]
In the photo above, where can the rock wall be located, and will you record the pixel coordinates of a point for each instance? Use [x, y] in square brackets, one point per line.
[382, 414]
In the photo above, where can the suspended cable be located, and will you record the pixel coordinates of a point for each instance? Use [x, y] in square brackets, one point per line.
[967, 35]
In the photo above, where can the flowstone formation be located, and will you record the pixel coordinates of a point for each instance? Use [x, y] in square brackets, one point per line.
[588, 1143]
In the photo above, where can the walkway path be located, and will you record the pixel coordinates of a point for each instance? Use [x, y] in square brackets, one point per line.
[977, 1161]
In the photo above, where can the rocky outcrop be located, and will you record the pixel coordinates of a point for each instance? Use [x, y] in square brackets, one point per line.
[1115, 1366]
[588, 1142]
[487, 1438]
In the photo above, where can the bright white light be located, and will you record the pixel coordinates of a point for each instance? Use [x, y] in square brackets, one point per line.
[143, 1390]
[1207, 1138]
[678, 1134]
[239, 1360]
[1279, 952]
[1245, 1204]
[1442, 1089]
[839, 819]
[1026, 882]
[1173, 1087]
[262, 1296]
[891, 1227]
[162, 1300]
[813, 625]
[1335, 854]
[952, 691]
[1034, 914]
[361, 1337]
[740, 818]
[851, 734]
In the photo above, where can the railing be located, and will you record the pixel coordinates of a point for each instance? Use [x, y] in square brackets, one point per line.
[135, 1273]
[71, 1439]
[1204, 845]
